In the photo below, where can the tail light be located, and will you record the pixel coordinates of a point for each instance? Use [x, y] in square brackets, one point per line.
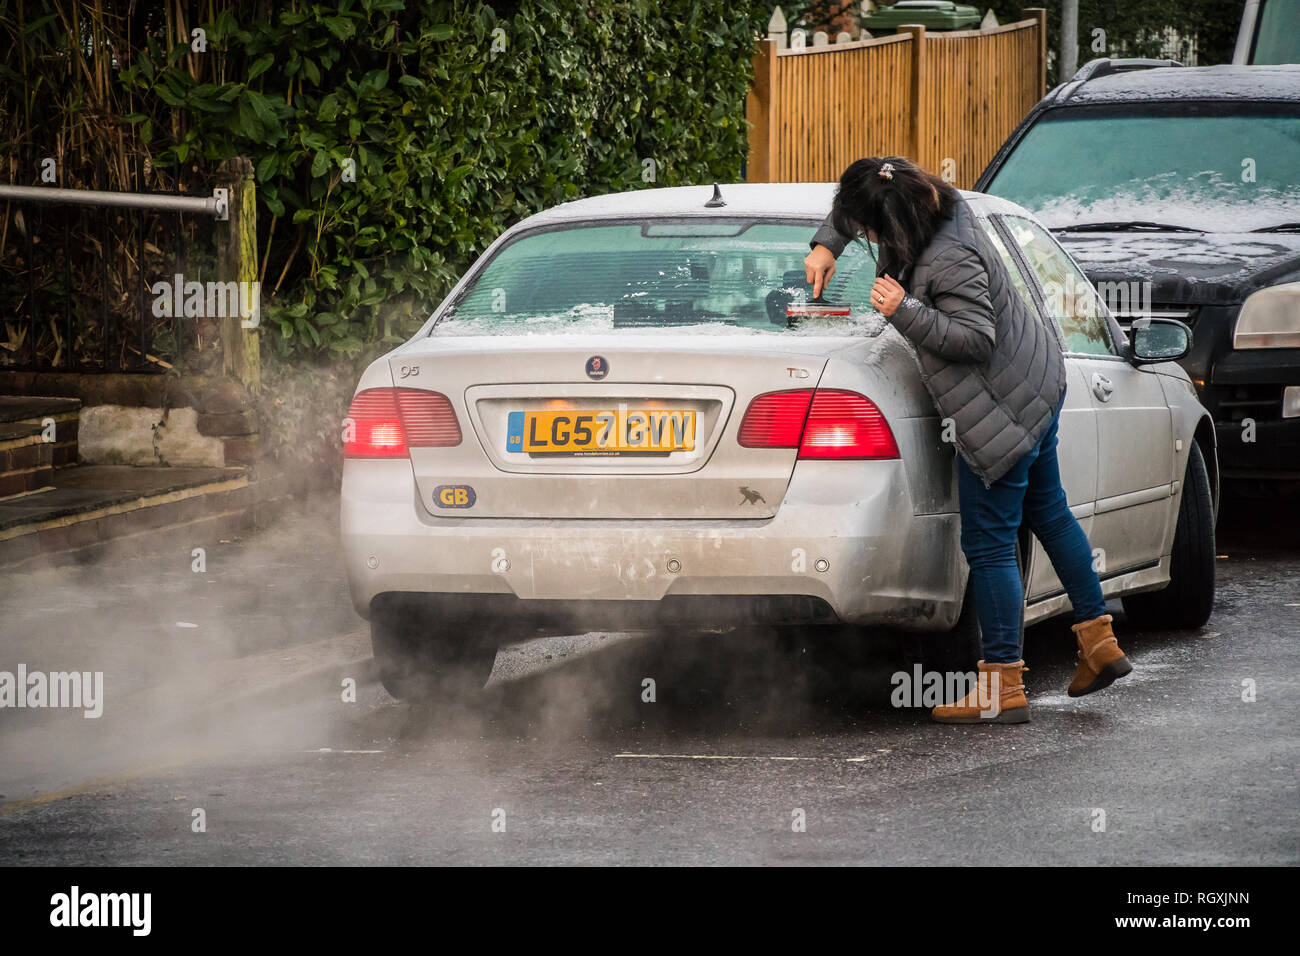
[821, 423]
[843, 424]
[388, 422]
[776, 419]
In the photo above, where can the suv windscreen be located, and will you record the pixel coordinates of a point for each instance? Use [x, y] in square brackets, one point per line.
[699, 275]
[1213, 167]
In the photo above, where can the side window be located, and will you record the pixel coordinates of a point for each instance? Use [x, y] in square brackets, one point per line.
[1013, 267]
[1069, 295]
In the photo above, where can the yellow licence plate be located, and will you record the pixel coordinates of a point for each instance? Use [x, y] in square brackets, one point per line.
[602, 432]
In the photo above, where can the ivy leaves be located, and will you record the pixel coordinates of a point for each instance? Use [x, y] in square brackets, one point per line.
[391, 143]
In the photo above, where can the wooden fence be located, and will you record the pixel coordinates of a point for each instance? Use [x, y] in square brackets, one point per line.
[944, 99]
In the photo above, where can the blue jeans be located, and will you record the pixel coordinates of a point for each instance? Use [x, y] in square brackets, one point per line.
[990, 520]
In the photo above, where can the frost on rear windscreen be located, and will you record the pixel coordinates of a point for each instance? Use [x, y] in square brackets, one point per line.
[713, 276]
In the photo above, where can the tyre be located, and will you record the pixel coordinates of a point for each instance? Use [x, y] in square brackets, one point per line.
[961, 649]
[957, 650]
[419, 657]
[1188, 599]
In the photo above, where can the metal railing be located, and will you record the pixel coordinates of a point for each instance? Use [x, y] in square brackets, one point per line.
[218, 205]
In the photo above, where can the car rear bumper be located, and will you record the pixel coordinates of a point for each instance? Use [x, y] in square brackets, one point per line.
[845, 536]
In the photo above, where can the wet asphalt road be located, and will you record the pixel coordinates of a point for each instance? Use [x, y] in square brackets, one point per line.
[224, 706]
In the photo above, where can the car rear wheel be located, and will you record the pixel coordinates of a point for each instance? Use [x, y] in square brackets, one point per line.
[961, 649]
[957, 650]
[422, 658]
[1187, 601]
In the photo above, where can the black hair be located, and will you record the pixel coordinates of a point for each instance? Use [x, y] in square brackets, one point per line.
[896, 199]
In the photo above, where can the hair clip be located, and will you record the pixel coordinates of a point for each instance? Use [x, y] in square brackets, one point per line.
[887, 171]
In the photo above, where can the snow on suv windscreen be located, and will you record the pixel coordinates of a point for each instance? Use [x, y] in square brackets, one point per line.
[1213, 167]
[699, 275]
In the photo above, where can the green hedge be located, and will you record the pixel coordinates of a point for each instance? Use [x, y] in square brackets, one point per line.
[452, 139]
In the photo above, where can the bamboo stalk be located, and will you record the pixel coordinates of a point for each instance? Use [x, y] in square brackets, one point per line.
[151, 358]
[266, 256]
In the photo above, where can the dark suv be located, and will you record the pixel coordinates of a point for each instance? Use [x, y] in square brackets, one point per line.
[1177, 190]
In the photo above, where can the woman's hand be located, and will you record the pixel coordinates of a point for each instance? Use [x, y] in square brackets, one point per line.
[886, 295]
[820, 266]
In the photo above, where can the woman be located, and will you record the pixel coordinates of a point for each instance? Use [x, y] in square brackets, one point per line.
[998, 372]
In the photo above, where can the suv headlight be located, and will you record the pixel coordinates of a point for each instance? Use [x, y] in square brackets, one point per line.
[1270, 319]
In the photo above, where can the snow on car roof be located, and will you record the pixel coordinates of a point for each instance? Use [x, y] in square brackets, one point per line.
[1191, 83]
[742, 199]
[793, 200]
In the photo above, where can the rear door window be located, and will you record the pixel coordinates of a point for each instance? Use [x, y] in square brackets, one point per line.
[1008, 260]
[1069, 296]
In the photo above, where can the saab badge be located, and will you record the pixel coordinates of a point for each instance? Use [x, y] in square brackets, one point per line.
[597, 367]
[454, 496]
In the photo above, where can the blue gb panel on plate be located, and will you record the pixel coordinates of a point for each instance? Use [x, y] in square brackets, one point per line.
[515, 432]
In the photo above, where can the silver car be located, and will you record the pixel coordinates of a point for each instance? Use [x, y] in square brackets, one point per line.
[626, 415]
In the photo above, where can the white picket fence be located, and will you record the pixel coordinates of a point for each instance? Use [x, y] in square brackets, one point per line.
[796, 38]
[1175, 46]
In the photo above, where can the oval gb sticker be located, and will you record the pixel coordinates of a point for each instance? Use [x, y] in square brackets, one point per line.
[453, 496]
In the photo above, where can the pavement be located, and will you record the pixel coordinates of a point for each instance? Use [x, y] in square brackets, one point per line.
[242, 724]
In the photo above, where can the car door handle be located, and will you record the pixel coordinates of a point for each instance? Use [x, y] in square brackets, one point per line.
[1101, 387]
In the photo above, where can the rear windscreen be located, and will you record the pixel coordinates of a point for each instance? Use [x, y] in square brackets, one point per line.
[697, 275]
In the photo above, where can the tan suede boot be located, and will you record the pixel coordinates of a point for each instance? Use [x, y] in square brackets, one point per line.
[998, 697]
[1101, 662]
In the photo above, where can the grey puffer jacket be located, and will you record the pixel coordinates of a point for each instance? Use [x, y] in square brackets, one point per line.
[988, 361]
